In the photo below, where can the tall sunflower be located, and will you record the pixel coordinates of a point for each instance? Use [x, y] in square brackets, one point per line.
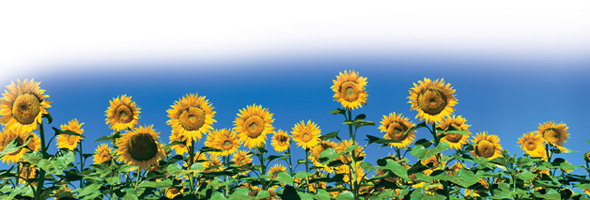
[70, 141]
[587, 157]
[306, 135]
[252, 125]
[179, 149]
[225, 140]
[241, 157]
[281, 141]
[432, 100]
[139, 147]
[394, 127]
[102, 153]
[7, 136]
[23, 106]
[275, 169]
[487, 146]
[555, 135]
[532, 144]
[122, 114]
[455, 140]
[349, 90]
[191, 117]
[317, 150]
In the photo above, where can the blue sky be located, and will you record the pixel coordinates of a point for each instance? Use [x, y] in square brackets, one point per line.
[514, 64]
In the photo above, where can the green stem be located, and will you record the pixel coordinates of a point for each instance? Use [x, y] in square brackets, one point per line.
[263, 168]
[353, 178]
[191, 153]
[290, 161]
[45, 156]
[446, 185]
[81, 165]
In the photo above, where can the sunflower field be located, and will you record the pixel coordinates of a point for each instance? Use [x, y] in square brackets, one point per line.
[202, 161]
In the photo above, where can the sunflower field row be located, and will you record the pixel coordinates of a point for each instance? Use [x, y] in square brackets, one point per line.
[205, 162]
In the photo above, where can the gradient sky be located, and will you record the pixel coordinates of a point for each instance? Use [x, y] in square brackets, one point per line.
[511, 70]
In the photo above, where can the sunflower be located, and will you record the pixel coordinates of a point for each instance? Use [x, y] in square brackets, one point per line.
[214, 164]
[252, 125]
[317, 150]
[191, 117]
[434, 164]
[70, 141]
[349, 90]
[241, 157]
[23, 106]
[139, 147]
[587, 156]
[179, 149]
[345, 170]
[555, 135]
[6, 137]
[122, 114]
[225, 140]
[173, 192]
[394, 127]
[487, 146]
[306, 135]
[455, 140]
[275, 169]
[432, 100]
[102, 154]
[532, 144]
[28, 172]
[64, 189]
[281, 141]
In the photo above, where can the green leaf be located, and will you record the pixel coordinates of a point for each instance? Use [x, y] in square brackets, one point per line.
[13, 146]
[322, 195]
[241, 194]
[583, 186]
[262, 194]
[373, 139]
[302, 174]
[423, 153]
[550, 194]
[217, 196]
[330, 135]
[89, 189]
[210, 149]
[464, 178]
[396, 168]
[59, 164]
[284, 178]
[66, 132]
[366, 166]
[49, 118]
[360, 117]
[174, 143]
[361, 123]
[451, 129]
[525, 162]
[128, 168]
[197, 167]
[330, 154]
[289, 193]
[153, 184]
[305, 196]
[526, 175]
[420, 193]
[338, 111]
[345, 196]
[420, 125]
[588, 141]
[109, 137]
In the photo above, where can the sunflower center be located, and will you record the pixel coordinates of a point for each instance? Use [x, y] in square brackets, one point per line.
[254, 126]
[25, 108]
[305, 136]
[531, 145]
[453, 137]
[105, 155]
[350, 91]
[485, 149]
[227, 145]
[432, 101]
[396, 131]
[124, 114]
[142, 147]
[192, 118]
[552, 135]
[283, 140]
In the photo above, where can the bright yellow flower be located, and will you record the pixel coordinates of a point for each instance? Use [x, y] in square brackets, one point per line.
[191, 117]
[555, 135]
[394, 127]
[317, 150]
[179, 149]
[349, 90]
[532, 144]
[487, 146]
[225, 140]
[6, 136]
[102, 154]
[252, 125]
[276, 168]
[140, 147]
[587, 156]
[455, 140]
[241, 158]
[432, 99]
[28, 172]
[63, 189]
[122, 114]
[70, 141]
[173, 192]
[281, 141]
[358, 152]
[306, 135]
[23, 106]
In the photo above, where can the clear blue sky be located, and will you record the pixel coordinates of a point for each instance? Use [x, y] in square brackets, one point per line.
[500, 95]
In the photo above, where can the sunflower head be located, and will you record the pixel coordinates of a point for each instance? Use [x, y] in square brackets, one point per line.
[6, 138]
[23, 106]
[587, 156]
[275, 169]
[532, 144]
[349, 90]
[487, 146]
[179, 149]
[555, 135]
[252, 125]
[139, 147]
[317, 150]
[455, 140]
[102, 153]
[394, 126]
[306, 135]
[191, 117]
[224, 139]
[64, 189]
[173, 192]
[281, 141]
[122, 113]
[432, 99]
[70, 141]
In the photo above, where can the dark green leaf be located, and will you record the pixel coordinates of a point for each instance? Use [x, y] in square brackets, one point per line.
[345, 196]
[464, 178]
[262, 194]
[373, 139]
[338, 111]
[360, 117]
[330, 135]
[153, 184]
[89, 189]
[322, 195]
[284, 178]
[526, 175]
[423, 153]
[210, 149]
[49, 118]
[66, 132]
[109, 137]
[420, 125]
[396, 168]
[13, 146]
[289, 193]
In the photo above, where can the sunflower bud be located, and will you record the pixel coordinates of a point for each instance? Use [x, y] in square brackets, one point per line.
[587, 156]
